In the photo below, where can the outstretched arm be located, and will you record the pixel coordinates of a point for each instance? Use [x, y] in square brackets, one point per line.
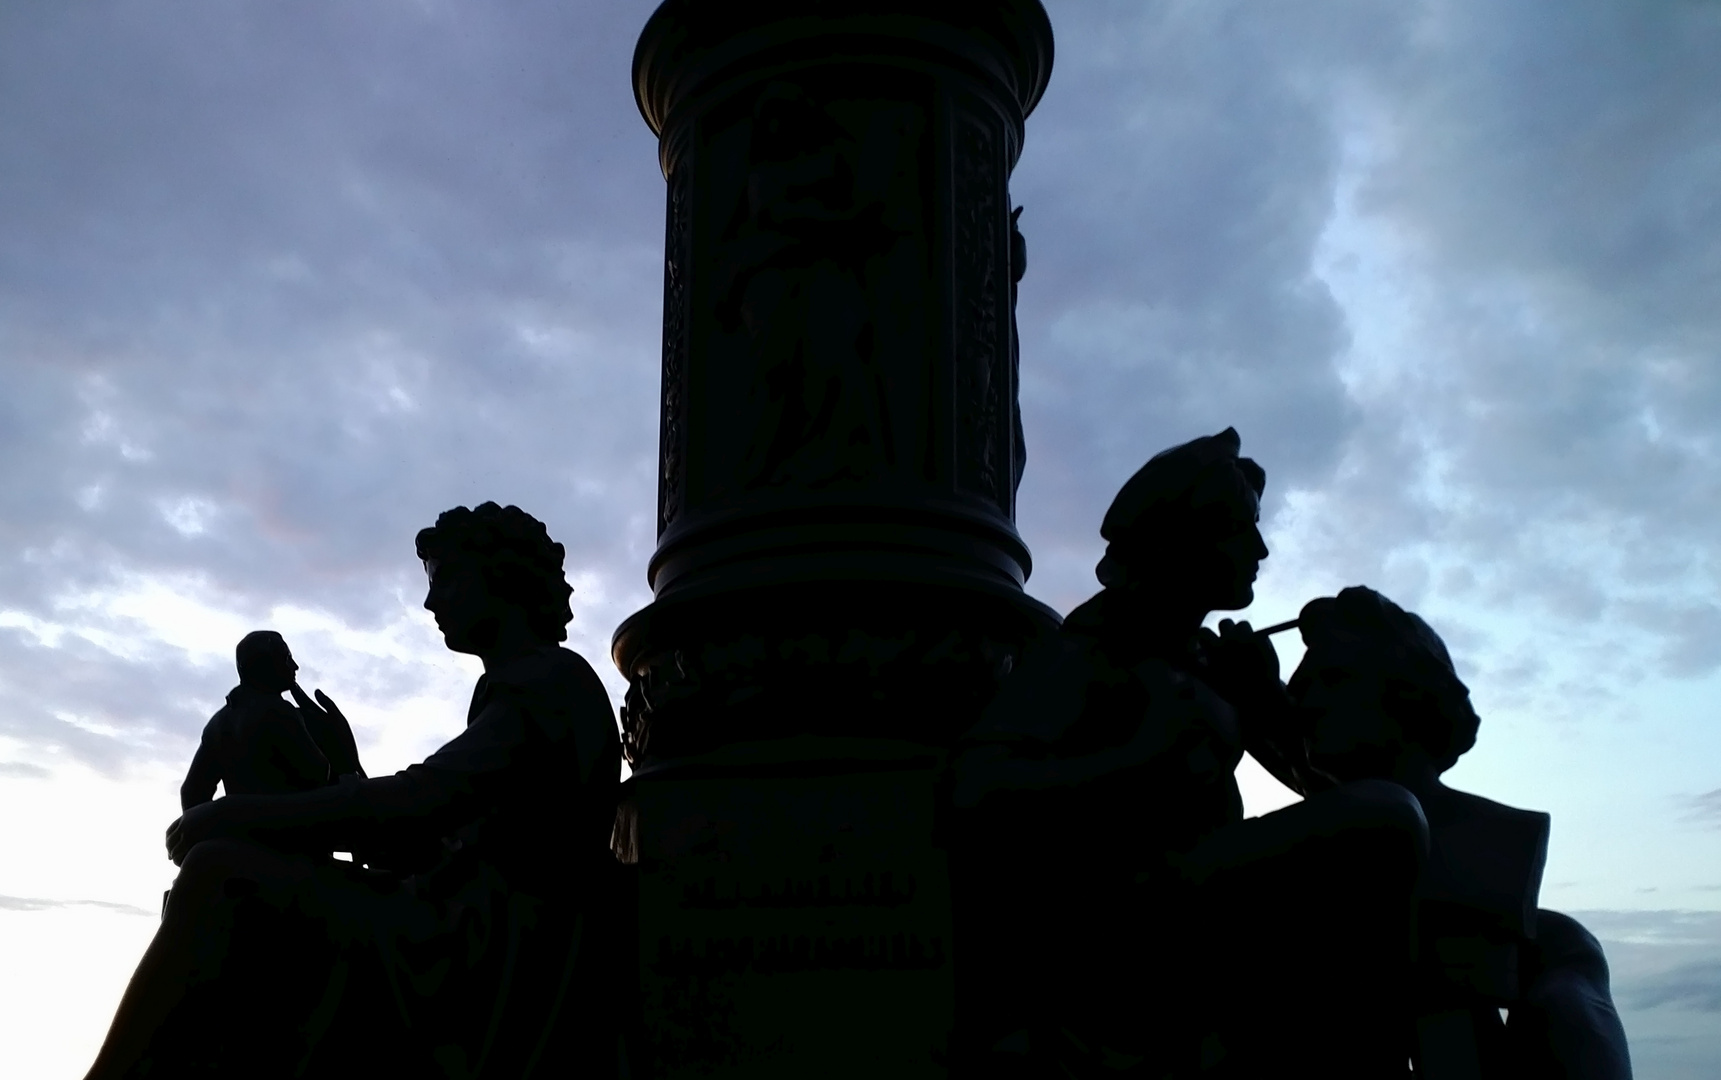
[421, 803]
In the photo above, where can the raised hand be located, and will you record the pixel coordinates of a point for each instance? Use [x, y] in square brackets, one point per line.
[328, 704]
[1243, 665]
[329, 728]
[1244, 668]
[304, 702]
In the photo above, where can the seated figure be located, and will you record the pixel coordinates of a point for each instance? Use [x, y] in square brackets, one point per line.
[1116, 911]
[1379, 698]
[470, 938]
[257, 744]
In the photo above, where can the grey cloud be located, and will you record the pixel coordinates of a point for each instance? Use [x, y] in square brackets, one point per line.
[1693, 986]
[1666, 976]
[277, 285]
[1705, 808]
[1176, 180]
[1587, 137]
[1549, 182]
[1662, 929]
[27, 903]
[23, 770]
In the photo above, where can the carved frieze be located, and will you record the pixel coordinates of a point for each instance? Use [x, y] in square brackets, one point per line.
[676, 690]
[672, 432]
[810, 321]
[980, 266]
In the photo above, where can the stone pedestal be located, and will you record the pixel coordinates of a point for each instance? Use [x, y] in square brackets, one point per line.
[838, 578]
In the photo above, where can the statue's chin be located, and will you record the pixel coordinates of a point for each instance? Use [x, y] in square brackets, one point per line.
[1240, 598]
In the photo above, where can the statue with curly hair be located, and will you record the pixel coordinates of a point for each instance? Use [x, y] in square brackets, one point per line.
[1379, 698]
[469, 936]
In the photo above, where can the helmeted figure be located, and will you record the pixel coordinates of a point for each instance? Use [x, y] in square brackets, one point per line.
[470, 936]
[1116, 911]
[1379, 698]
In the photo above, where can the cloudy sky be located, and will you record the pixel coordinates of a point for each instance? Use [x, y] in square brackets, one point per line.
[279, 282]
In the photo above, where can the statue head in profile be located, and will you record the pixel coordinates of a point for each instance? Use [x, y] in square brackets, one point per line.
[1185, 528]
[265, 663]
[1377, 684]
[495, 575]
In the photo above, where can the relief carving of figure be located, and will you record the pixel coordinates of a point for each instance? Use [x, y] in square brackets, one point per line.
[818, 227]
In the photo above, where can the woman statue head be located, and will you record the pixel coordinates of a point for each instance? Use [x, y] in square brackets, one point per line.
[494, 573]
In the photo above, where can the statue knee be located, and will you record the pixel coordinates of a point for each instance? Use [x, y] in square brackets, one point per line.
[1388, 807]
[206, 872]
[1392, 817]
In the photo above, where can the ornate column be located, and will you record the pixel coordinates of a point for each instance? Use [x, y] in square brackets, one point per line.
[838, 578]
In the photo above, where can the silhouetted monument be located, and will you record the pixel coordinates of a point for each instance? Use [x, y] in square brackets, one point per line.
[257, 744]
[838, 580]
[1122, 913]
[888, 816]
[473, 934]
[1379, 698]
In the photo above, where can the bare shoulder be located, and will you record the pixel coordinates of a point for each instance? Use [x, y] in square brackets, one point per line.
[558, 689]
[554, 669]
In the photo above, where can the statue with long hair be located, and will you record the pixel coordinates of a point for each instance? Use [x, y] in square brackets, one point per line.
[1378, 697]
[467, 937]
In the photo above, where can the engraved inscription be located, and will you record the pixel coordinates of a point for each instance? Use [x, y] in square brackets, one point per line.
[796, 953]
[884, 889]
[674, 689]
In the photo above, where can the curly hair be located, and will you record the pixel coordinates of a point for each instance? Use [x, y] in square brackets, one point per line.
[514, 551]
[1420, 687]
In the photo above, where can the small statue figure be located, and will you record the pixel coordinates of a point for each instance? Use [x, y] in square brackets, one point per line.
[1379, 698]
[257, 744]
[473, 933]
[1116, 910]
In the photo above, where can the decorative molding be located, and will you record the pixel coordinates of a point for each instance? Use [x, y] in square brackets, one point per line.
[672, 473]
[980, 383]
[677, 689]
